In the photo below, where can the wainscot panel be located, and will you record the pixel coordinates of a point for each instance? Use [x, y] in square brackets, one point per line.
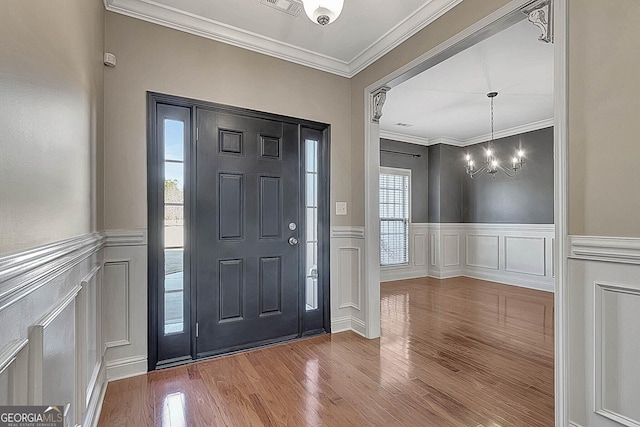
[604, 287]
[347, 275]
[125, 303]
[514, 254]
[53, 351]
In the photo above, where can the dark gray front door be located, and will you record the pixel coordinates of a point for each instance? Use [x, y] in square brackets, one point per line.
[246, 268]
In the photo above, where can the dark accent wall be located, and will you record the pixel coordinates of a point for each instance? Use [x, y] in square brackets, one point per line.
[450, 196]
[419, 173]
[525, 199]
[451, 181]
[434, 183]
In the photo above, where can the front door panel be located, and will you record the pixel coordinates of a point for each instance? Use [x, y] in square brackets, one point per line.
[246, 195]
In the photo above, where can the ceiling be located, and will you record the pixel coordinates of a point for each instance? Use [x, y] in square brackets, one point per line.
[447, 103]
[366, 29]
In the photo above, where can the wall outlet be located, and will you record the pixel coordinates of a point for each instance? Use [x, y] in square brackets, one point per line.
[341, 208]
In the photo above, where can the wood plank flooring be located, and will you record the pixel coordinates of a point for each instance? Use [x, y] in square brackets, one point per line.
[454, 352]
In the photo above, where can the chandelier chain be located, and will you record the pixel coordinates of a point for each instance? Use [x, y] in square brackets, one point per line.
[492, 120]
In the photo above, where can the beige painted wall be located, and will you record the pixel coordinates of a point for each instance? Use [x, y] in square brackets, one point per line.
[51, 85]
[456, 20]
[155, 58]
[604, 118]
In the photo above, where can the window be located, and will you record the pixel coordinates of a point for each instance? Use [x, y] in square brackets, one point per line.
[174, 132]
[395, 187]
[311, 205]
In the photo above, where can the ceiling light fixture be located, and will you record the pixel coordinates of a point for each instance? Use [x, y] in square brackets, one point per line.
[492, 164]
[323, 12]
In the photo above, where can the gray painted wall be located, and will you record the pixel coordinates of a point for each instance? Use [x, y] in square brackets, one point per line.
[525, 199]
[419, 173]
[434, 183]
[450, 196]
[451, 181]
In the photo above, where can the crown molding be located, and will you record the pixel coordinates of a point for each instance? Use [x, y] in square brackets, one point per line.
[449, 141]
[395, 136]
[541, 124]
[469, 141]
[415, 22]
[154, 12]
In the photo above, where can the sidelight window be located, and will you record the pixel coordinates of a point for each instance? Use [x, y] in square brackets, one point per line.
[173, 226]
[311, 207]
[395, 185]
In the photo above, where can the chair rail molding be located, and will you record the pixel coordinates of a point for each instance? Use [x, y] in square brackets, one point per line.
[24, 272]
[608, 249]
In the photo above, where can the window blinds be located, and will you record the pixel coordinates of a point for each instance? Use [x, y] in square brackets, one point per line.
[394, 217]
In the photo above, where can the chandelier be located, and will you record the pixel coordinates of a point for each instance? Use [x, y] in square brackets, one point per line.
[323, 12]
[492, 164]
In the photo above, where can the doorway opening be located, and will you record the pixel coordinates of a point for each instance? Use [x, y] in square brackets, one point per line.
[555, 244]
[238, 229]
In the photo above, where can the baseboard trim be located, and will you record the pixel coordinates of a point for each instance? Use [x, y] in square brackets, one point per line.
[127, 367]
[348, 323]
[444, 274]
[401, 274]
[529, 284]
[92, 416]
[573, 424]
[340, 324]
[358, 326]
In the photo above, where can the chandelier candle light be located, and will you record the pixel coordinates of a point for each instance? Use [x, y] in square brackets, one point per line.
[492, 165]
[323, 12]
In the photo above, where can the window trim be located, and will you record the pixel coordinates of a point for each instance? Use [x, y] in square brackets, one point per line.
[403, 172]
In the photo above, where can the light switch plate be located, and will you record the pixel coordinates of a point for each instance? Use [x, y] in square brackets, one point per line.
[341, 208]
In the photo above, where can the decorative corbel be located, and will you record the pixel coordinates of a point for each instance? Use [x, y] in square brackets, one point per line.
[540, 14]
[378, 97]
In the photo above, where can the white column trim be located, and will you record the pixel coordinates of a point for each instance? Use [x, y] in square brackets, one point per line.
[561, 207]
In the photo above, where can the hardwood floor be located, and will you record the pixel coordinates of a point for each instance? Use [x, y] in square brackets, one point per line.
[454, 352]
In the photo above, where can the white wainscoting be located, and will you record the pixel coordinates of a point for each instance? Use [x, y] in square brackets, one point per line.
[446, 244]
[514, 254]
[125, 303]
[604, 338]
[418, 256]
[53, 351]
[347, 279]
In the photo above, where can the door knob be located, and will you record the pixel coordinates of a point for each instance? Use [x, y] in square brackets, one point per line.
[293, 241]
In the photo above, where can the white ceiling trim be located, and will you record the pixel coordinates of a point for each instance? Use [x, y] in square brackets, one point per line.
[411, 139]
[510, 132]
[151, 11]
[401, 32]
[402, 137]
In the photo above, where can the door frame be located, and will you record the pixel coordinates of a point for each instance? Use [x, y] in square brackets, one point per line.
[154, 229]
[374, 100]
